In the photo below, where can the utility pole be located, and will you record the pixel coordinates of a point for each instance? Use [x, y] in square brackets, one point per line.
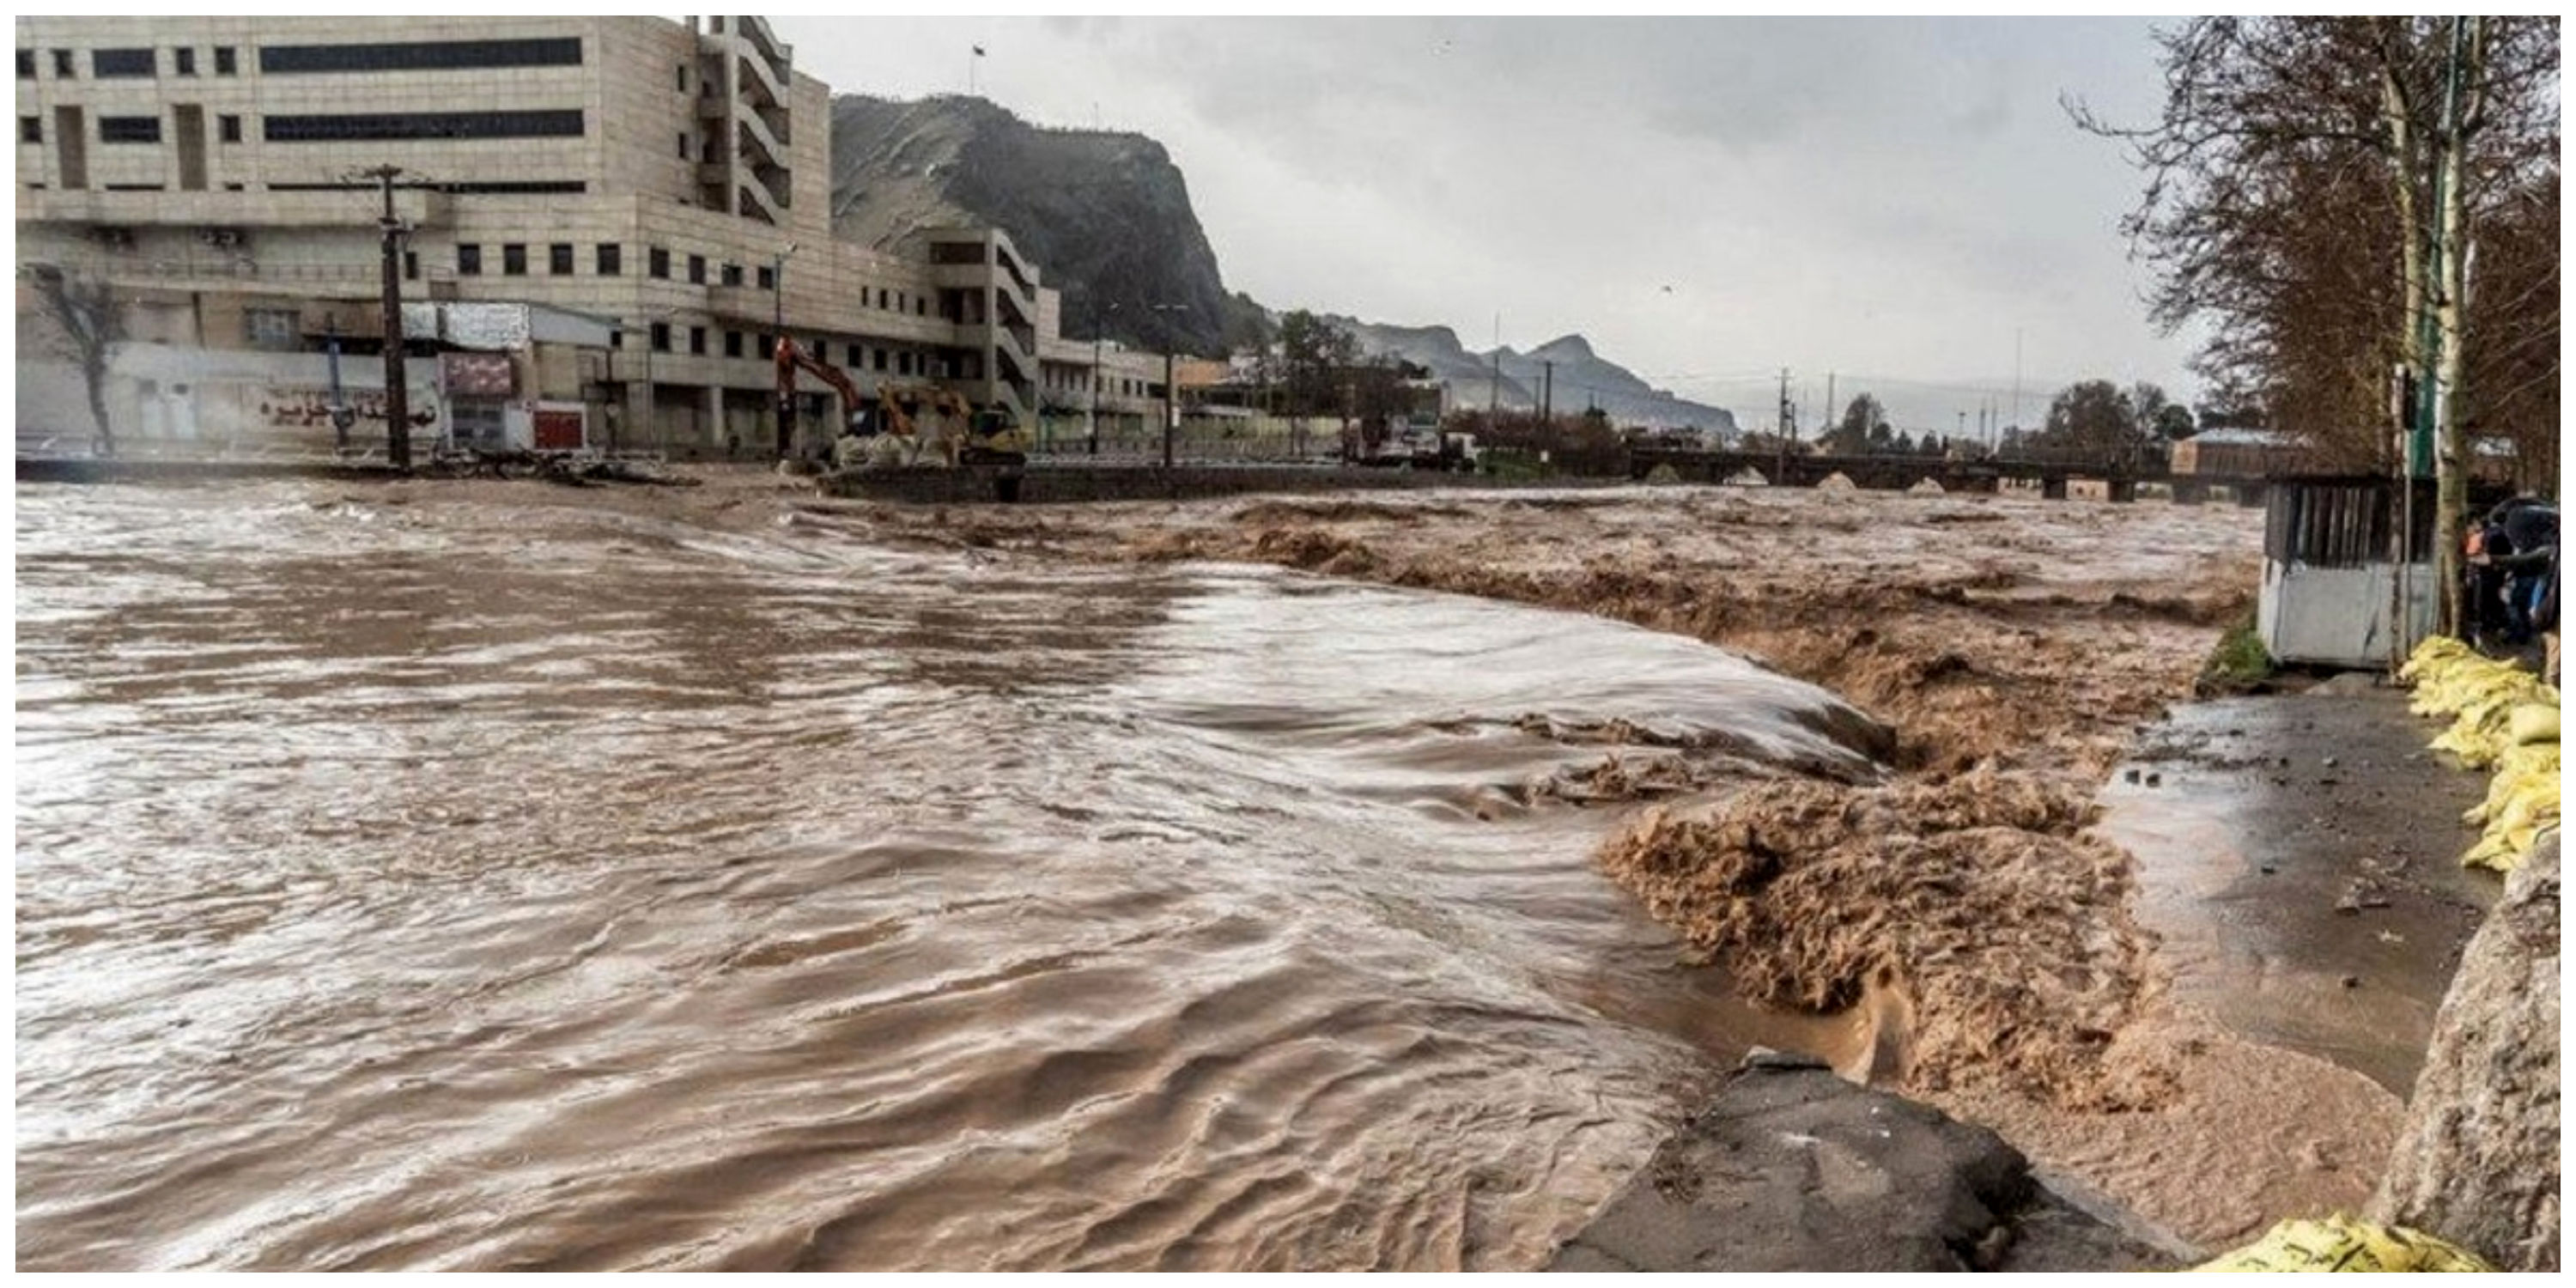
[1547, 391]
[397, 397]
[1171, 412]
[1494, 400]
[1830, 409]
[778, 336]
[2016, 377]
[1782, 439]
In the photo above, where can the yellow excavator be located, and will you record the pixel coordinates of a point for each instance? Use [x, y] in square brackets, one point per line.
[944, 423]
[913, 425]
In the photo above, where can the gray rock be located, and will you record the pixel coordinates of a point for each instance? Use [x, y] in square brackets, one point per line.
[2477, 1160]
[1792, 1168]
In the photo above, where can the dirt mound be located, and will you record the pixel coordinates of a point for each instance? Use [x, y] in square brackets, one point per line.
[1315, 550]
[1975, 898]
[1274, 513]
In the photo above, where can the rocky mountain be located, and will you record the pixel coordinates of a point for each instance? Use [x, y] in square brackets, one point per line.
[1105, 215]
[1582, 378]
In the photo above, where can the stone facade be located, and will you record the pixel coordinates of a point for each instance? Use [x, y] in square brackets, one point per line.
[670, 179]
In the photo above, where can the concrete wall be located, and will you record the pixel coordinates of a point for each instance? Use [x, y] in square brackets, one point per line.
[2337, 616]
[205, 401]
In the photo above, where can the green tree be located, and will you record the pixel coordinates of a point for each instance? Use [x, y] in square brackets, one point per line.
[1312, 353]
[1863, 425]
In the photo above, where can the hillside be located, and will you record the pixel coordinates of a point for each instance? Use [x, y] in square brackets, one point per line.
[1583, 378]
[1105, 215]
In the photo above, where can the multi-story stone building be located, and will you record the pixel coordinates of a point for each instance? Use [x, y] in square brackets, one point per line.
[672, 180]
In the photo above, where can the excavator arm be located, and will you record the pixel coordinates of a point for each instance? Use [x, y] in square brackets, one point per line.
[792, 356]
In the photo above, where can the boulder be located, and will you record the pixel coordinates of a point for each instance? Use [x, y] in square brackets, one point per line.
[2476, 1160]
[1793, 1168]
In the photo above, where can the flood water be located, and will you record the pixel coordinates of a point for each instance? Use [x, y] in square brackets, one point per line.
[469, 883]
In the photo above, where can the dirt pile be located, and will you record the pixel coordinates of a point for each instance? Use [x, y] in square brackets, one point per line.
[1975, 899]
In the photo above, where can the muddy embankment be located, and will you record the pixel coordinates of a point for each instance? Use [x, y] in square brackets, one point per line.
[2013, 646]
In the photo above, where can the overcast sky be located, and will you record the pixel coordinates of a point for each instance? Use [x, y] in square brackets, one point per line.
[1888, 199]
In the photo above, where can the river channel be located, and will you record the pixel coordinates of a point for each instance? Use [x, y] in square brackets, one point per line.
[481, 883]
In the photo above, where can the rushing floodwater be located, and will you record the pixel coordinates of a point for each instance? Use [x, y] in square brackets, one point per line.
[489, 885]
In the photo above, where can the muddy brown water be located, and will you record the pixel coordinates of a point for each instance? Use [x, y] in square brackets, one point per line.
[483, 885]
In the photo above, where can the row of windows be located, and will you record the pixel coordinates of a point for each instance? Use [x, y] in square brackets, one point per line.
[128, 129]
[664, 338]
[422, 125]
[420, 55]
[112, 64]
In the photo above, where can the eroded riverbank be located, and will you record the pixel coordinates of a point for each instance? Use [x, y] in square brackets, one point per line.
[2016, 646]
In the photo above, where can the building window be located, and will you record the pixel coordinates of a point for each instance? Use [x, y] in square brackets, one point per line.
[514, 259]
[129, 129]
[420, 56]
[107, 63]
[920, 307]
[228, 128]
[273, 328]
[684, 145]
[383, 126]
[469, 260]
[611, 259]
[657, 263]
[411, 265]
[683, 70]
[616, 339]
[733, 344]
[31, 129]
[661, 337]
[733, 274]
[856, 356]
[698, 340]
[903, 364]
[63, 65]
[187, 61]
[881, 360]
[559, 259]
[26, 64]
[767, 278]
[899, 304]
[225, 65]
[698, 270]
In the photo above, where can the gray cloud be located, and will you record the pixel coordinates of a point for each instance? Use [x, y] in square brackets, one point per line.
[1893, 198]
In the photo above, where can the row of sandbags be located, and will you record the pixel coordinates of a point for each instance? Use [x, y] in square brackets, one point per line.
[2502, 718]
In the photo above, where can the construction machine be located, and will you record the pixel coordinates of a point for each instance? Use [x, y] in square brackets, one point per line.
[790, 356]
[915, 425]
[945, 423]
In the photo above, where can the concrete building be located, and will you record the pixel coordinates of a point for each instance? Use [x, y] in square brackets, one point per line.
[671, 180]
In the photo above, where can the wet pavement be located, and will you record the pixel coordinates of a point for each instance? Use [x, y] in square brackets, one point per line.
[2299, 855]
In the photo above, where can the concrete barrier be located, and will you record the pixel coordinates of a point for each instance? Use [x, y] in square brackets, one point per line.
[1057, 485]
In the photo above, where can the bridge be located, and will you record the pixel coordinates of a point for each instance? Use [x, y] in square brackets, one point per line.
[1895, 473]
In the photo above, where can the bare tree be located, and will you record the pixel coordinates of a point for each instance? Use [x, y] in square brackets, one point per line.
[2294, 187]
[83, 309]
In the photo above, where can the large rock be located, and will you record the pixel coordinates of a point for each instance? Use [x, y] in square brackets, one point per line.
[2477, 1159]
[1793, 1168]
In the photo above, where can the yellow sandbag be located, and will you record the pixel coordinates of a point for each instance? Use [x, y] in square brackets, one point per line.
[2344, 1243]
[2533, 722]
[2521, 806]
